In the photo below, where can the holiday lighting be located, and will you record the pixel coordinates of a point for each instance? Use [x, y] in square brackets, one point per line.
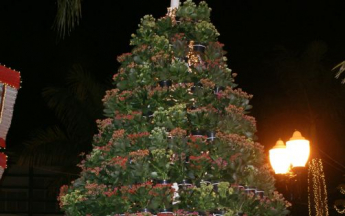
[9, 83]
[317, 185]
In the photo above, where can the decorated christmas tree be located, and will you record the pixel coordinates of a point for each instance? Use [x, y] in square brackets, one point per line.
[177, 138]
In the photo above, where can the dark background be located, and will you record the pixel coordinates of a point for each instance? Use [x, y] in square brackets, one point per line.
[255, 34]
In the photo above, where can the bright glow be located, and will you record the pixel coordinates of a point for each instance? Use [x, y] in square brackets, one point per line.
[298, 150]
[279, 158]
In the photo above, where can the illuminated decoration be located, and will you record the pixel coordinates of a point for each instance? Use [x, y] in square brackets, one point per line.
[342, 191]
[192, 58]
[317, 191]
[340, 211]
[298, 149]
[279, 158]
[339, 204]
[9, 85]
[172, 14]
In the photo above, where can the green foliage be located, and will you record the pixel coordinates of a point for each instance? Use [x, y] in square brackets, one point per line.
[189, 10]
[147, 136]
[67, 16]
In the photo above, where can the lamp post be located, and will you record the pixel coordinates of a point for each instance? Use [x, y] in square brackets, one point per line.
[289, 161]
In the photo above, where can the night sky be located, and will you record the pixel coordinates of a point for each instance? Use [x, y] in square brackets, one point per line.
[255, 34]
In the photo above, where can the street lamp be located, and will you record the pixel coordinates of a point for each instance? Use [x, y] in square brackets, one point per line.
[296, 153]
[288, 161]
[279, 158]
[298, 149]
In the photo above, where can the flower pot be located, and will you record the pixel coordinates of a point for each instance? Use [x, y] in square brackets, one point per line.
[249, 189]
[165, 212]
[164, 182]
[215, 186]
[184, 59]
[202, 213]
[196, 85]
[211, 135]
[187, 160]
[145, 211]
[218, 213]
[205, 182]
[148, 114]
[217, 89]
[198, 133]
[165, 83]
[199, 48]
[185, 184]
[237, 187]
[260, 193]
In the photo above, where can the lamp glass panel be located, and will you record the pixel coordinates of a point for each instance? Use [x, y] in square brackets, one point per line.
[279, 159]
[298, 151]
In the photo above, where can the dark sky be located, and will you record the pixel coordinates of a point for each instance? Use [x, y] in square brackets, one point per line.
[251, 31]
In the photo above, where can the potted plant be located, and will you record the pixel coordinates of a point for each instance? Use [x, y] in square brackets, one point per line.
[138, 194]
[177, 115]
[199, 165]
[158, 138]
[214, 51]
[161, 163]
[187, 10]
[161, 198]
[203, 119]
[197, 121]
[203, 11]
[179, 71]
[204, 32]
[219, 74]
[204, 198]
[179, 46]
[139, 166]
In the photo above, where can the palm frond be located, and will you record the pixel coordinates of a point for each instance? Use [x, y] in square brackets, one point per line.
[48, 146]
[341, 67]
[68, 16]
[84, 85]
[78, 104]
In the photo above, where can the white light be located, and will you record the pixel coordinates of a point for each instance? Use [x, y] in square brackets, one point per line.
[298, 149]
[279, 158]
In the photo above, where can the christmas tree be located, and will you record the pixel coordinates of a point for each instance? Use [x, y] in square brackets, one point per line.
[177, 138]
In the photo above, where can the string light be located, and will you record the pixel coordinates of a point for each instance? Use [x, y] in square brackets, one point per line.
[172, 14]
[342, 191]
[192, 58]
[317, 185]
[2, 104]
[338, 210]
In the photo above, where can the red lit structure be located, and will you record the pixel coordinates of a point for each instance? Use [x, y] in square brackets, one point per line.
[9, 85]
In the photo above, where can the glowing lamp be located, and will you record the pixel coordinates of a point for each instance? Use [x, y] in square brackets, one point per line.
[298, 149]
[279, 158]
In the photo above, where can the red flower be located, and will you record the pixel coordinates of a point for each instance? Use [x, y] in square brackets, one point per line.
[123, 57]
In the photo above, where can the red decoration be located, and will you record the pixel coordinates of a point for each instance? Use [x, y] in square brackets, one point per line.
[9, 77]
[2, 143]
[3, 160]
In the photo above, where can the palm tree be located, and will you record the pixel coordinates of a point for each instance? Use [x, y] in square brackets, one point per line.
[76, 105]
[341, 68]
[305, 96]
[68, 16]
